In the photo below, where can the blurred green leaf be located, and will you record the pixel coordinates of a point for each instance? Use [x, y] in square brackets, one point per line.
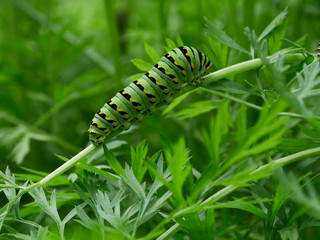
[88, 167]
[170, 44]
[179, 167]
[289, 233]
[220, 54]
[113, 162]
[135, 76]
[142, 64]
[229, 86]
[221, 36]
[255, 210]
[177, 101]
[180, 41]
[274, 23]
[195, 109]
[152, 53]
[138, 157]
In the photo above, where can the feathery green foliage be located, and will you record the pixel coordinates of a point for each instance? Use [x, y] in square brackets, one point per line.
[232, 159]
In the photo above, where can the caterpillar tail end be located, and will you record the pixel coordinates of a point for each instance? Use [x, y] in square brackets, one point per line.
[96, 137]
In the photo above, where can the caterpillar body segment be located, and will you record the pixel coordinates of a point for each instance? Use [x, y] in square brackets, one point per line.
[180, 66]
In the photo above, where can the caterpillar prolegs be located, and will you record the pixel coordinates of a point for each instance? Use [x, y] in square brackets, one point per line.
[176, 68]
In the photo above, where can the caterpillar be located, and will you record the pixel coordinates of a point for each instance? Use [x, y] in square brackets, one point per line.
[318, 50]
[180, 66]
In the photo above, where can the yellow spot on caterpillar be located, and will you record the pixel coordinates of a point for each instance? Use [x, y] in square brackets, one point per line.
[192, 65]
[118, 109]
[168, 55]
[159, 66]
[99, 126]
[175, 80]
[138, 83]
[93, 122]
[114, 124]
[166, 72]
[107, 118]
[100, 112]
[209, 66]
[131, 99]
[110, 103]
[202, 64]
[124, 92]
[139, 107]
[166, 90]
[152, 99]
[149, 75]
[157, 83]
[89, 131]
[176, 63]
[183, 72]
[145, 91]
[106, 131]
[126, 116]
[187, 54]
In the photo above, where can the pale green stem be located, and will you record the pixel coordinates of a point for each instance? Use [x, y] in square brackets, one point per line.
[170, 232]
[63, 168]
[248, 65]
[267, 167]
[239, 68]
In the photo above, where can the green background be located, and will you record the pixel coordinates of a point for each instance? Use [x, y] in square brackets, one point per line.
[61, 60]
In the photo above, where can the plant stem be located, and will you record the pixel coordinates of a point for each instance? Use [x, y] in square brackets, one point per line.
[60, 170]
[63, 168]
[248, 65]
[85, 152]
[170, 232]
[239, 68]
[270, 167]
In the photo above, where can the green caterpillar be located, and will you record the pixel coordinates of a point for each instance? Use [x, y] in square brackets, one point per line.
[180, 66]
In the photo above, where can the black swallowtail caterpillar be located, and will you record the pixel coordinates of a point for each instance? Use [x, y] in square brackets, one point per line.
[180, 66]
[318, 50]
